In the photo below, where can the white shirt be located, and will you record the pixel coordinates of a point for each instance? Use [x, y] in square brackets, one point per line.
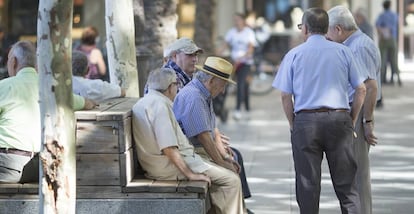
[95, 89]
[239, 42]
[155, 128]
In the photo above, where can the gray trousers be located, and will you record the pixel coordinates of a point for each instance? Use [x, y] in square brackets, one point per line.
[18, 168]
[363, 178]
[330, 133]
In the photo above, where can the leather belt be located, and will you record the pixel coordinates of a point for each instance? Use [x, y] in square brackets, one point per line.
[16, 152]
[322, 110]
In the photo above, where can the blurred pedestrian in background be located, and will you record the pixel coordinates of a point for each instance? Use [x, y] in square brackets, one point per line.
[362, 21]
[97, 67]
[241, 41]
[387, 28]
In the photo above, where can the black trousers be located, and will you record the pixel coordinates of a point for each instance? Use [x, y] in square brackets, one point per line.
[330, 133]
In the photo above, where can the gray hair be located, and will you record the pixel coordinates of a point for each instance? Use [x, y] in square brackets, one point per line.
[340, 15]
[25, 53]
[202, 76]
[79, 63]
[160, 79]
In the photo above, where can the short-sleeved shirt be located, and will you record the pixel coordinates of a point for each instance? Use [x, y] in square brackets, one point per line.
[389, 20]
[367, 57]
[193, 108]
[95, 89]
[239, 43]
[20, 111]
[154, 129]
[317, 74]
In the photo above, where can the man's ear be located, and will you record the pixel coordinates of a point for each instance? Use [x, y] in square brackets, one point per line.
[13, 62]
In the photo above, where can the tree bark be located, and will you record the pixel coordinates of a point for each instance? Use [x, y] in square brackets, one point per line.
[155, 22]
[204, 27]
[57, 158]
[120, 45]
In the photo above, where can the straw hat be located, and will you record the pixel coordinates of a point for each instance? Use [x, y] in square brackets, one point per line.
[217, 67]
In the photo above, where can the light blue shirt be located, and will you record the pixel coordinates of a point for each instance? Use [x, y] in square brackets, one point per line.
[193, 108]
[367, 57]
[388, 19]
[317, 74]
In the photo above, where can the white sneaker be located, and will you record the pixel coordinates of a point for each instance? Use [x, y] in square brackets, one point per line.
[237, 115]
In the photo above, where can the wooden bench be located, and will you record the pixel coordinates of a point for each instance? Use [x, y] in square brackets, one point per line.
[109, 178]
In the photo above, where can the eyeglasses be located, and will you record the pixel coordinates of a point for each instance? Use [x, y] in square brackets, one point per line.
[300, 26]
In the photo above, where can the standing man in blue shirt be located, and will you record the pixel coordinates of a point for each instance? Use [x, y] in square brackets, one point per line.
[314, 79]
[387, 29]
[343, 29]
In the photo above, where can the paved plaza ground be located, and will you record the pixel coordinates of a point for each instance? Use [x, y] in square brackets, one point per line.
[264, 140]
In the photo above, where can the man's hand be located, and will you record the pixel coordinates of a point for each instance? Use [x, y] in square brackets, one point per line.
[89, 104]
[369, 134]
[199, 177]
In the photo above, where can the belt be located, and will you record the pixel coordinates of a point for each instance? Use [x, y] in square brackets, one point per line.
[322, 110]
[16, 152]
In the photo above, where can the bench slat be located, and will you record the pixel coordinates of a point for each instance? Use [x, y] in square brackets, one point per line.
[193, 186]
[163, 186]
[138, 185]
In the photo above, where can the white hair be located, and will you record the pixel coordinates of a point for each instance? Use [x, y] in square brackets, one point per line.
[202, 76]
[160, 79]
[340, 15]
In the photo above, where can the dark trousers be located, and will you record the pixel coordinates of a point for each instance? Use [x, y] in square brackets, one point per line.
[242, 174]
[389, 49]
[242, 73]
[330, 133]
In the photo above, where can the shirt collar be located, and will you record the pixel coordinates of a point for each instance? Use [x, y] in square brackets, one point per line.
[152, 92]
[204, 91]
[26, 70]
[180, 73]
[353, 36]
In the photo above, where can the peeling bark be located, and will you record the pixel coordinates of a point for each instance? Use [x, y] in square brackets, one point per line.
[121, 45]
[58, 165]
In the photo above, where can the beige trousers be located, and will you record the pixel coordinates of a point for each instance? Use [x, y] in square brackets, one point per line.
[225, 191]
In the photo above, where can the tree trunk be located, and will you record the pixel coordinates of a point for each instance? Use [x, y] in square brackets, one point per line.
[155, 29]
[57, 158]
[120, 45]
[204, 27]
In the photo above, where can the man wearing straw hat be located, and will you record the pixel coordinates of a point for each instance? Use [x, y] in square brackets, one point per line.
[164, 151]
[193, 108]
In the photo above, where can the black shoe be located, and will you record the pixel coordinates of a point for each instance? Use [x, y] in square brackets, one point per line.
[379, 104]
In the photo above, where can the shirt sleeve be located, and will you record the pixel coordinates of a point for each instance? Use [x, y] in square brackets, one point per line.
[284, 77]
[101, 90]
[78, 102]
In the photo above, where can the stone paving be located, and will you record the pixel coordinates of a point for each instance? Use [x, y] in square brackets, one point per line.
[264, 140]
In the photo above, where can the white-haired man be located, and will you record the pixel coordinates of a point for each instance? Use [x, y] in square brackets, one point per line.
[343, 29]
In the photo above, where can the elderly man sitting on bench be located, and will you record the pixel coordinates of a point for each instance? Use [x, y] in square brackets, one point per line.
[165, 153]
